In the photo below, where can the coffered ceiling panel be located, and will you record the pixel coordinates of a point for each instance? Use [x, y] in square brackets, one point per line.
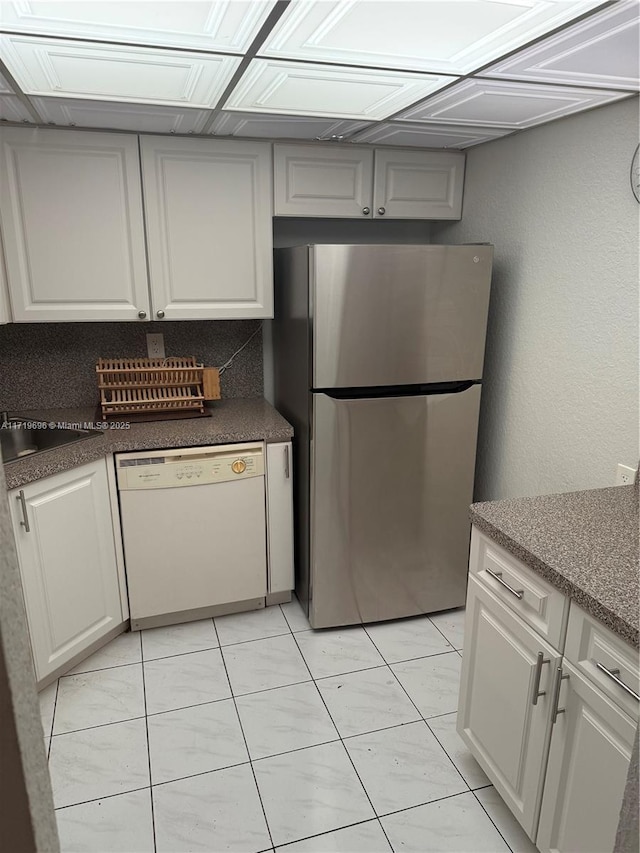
[603, 50]
[515, 105]
[76, 69]
[446, 36]
[221, 25]
[429, 136]
[282, 127]
[269, 86]
[141, 118]
[11, 109]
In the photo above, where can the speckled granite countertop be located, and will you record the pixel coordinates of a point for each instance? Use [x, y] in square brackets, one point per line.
[584, 543]
[233, 420]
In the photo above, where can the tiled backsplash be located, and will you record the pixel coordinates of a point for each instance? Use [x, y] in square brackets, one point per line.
[51, 365]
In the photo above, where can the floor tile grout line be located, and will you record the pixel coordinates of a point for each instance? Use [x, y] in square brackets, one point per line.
[447, 754]
[99, 726]
[423, 718]
[348, 754]
[199, 773]
[300, 630]
[417, 619]
[284, 846]
[53, 718]
[146, 729]
[246, 745]
[104, 797]
[297, 749]
[498, 830]
[72, 674]
[442, 632]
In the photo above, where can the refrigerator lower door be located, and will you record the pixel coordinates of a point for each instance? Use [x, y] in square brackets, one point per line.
[391, 484]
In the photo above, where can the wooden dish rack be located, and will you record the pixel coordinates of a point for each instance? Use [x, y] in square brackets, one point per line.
[152, 386]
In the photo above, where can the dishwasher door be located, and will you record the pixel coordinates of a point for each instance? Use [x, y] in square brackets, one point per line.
[194, 549]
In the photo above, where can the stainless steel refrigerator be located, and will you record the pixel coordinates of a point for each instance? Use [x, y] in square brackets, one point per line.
[378, 365]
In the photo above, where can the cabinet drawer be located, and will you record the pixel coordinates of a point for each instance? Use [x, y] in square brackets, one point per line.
[536, 601]
[590, 643]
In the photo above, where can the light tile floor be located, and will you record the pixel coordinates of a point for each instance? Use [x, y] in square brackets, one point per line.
[252, 733]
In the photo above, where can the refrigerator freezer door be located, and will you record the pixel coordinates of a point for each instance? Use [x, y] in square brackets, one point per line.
[392, 480]
[399, 315]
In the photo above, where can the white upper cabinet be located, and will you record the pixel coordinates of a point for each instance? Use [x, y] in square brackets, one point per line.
[349, 181]
[5, 308]
[418, 184]
[209, 233]
[315, 180]
[71, 213]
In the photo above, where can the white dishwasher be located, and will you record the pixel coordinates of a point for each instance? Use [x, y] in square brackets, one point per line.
[194, 532]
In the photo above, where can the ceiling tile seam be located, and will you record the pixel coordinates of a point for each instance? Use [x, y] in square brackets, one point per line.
[447, 73]
[277, 13]
[18, 93]
[121, 44]
[474, 75]
[551, 83]
[263, 33]
[510, 131]
[552, 33]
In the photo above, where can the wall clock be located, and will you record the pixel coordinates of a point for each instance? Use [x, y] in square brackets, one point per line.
[635, 173]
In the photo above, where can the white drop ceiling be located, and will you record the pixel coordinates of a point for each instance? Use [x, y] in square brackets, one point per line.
[424, 73]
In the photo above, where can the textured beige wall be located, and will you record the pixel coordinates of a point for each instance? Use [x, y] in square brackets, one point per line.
[27, 821]
[560, 404]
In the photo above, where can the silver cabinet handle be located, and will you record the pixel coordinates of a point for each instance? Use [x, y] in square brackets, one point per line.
[25, 518]
[498, 576]
[366, 211]
[160, 314]
[556, 694]
[287, 469]
[142, 315]
[537, 693]
[381, 211]
[613, 675]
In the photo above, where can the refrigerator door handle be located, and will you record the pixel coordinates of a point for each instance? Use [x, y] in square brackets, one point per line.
[375, 391]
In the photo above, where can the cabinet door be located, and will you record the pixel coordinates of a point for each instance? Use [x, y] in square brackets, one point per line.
[280, 517]
[588, 763]
[71, 211]
[209, 232]
[5, 309]
[504, 730]
[67, 562]
[418, 184]
[322, 181]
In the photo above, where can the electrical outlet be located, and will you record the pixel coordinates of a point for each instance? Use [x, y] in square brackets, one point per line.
[155, 345]
[625, 475]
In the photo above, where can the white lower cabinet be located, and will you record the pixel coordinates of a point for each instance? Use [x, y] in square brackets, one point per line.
[280, 517]
[588, 764]
[502, 716]
[66, 550]
[554, 734]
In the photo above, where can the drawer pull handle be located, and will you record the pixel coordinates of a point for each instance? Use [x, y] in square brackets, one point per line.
[25, 518]
[613, 675]
[498, 576]
[537, 693]
[287, 467]
[556, 694]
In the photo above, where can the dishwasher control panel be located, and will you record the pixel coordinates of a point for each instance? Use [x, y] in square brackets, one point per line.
[192, 466]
